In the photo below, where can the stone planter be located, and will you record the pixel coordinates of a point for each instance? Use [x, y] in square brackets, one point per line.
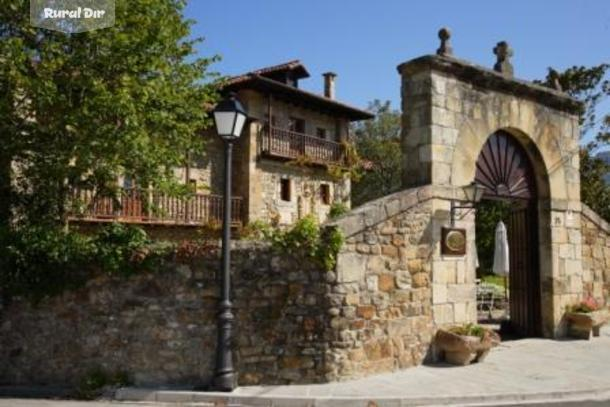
[462, 349]
[582, 324]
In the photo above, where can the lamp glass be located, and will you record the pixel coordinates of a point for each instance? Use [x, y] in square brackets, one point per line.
[239, 124]
[225, 123]
[469, 191]
[479, 192]
[474, 192]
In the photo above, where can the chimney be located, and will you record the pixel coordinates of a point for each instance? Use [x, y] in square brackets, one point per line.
[329, 84]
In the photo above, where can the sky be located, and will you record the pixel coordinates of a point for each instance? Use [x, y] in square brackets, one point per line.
[364, 40]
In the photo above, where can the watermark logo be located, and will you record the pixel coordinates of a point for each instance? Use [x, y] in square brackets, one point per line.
[72, 16]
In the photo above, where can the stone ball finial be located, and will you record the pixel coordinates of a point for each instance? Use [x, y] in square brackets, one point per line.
[445, 49]
[554, 77]
[503, 52]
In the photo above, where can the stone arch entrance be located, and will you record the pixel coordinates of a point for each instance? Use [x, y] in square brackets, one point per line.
[450, 109]
[504, 168]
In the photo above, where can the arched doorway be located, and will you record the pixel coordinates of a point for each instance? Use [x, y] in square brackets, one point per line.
[506, 171]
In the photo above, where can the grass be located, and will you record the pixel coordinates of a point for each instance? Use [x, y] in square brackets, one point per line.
[493, 279]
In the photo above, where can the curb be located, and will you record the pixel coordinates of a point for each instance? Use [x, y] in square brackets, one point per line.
[224, 399]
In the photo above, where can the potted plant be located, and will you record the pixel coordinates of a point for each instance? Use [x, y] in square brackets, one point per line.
[584, 318]
[463, 344]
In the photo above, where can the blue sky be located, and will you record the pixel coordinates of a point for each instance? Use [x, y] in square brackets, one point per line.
[363, 41]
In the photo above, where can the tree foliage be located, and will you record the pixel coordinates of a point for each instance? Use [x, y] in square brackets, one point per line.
[378, 144]
[79, 109]
[591, 85]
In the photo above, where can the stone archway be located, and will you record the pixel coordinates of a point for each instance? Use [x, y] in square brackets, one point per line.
[450, 108]
[504, 168]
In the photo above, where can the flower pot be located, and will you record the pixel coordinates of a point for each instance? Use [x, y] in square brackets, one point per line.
[463, 349]
[582, 324]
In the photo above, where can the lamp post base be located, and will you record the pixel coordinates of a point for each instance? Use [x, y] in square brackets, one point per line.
[225, 382]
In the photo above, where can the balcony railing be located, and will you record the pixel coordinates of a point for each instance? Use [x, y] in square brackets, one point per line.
[152, 207]
[288, 144]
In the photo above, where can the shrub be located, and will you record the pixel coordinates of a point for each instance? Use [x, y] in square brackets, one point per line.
[469, 329]
[307, 237]
[92, 385]
[119, 247]
[337, 209]
[39, 261]
[256, 230]
[44, 261]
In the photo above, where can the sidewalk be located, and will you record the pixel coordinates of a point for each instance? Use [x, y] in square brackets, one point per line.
[515, 372]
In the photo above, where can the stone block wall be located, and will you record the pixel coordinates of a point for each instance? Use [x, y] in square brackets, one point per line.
[160, 327]
[595, 256]
[383, 300]
[295, 322]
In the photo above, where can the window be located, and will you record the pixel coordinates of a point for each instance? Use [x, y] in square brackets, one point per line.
[193, 185]
[285, 189]
[325, 194]
[320, 132]
[297, 125]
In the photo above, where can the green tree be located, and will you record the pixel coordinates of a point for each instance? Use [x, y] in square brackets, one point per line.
[78, 109]
[378, 144]
[589, 85]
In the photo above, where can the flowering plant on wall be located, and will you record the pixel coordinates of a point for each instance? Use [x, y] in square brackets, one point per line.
[587, 305]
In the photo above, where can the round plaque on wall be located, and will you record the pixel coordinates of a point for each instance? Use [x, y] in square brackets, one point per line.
[453, 241]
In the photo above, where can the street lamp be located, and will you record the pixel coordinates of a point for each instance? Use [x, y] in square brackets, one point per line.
[474, 193]
[229, 118]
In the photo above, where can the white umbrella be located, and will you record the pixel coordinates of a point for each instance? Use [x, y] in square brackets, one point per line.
[501, 260]
[501, 255]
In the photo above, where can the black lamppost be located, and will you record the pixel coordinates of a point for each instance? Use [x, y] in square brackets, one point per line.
[229, 118]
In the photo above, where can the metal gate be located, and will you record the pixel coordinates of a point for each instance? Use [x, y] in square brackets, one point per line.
[505, 170]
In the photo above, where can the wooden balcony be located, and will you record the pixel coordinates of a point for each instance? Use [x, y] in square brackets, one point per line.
[286, 144]
[152, 207]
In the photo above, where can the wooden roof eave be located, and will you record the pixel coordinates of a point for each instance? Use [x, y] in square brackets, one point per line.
[298, 96]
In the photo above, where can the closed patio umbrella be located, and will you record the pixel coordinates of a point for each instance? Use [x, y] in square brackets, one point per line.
[501, 260]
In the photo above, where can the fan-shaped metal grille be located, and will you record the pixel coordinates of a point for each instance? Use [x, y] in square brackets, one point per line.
[504, 168]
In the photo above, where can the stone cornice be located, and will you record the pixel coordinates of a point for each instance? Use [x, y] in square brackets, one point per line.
[595, 218]
[379, 210]
[489, 79]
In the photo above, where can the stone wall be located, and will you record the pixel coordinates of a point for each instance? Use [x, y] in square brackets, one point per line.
[305, 192]
[295, 322]
[595, 256]
[159, 327]
[382, 301]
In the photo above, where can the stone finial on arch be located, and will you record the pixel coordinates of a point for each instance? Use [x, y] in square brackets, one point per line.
[445, 49]
[503, 53]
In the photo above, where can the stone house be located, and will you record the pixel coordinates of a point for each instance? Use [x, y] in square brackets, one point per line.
[281, 164]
